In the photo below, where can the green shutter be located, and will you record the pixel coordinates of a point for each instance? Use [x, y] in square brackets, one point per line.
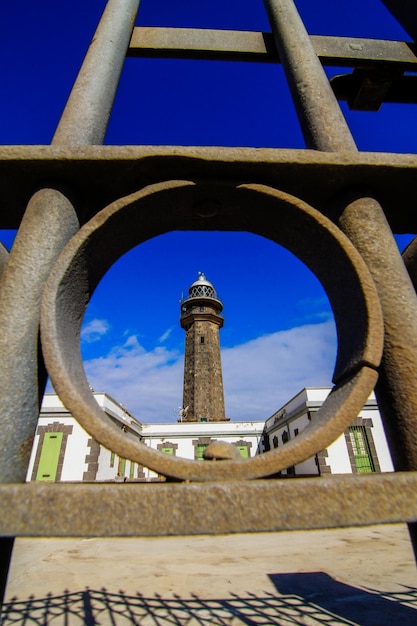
[48, 462]
[200, 451]
[168, 450]
[243, 451]
[122, 466]
[132, 470]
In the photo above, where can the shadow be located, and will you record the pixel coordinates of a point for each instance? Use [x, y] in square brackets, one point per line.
[321, 593]
[303, 599]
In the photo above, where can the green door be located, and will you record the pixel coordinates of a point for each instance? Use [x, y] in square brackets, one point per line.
[361, 451]
[48, 463]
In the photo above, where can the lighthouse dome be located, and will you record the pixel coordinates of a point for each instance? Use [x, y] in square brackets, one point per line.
[202, 288]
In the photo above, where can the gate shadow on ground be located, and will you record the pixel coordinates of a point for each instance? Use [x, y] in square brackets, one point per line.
[313, 598]
[320, 593]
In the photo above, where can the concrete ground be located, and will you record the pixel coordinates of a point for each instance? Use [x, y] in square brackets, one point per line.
[363, 576]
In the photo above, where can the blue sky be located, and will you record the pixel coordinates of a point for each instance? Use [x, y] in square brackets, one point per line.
[279, 333]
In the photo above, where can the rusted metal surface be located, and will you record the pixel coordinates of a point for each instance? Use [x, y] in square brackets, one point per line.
[41, 510]
[97, 175]
[161, 208]
[227, 45]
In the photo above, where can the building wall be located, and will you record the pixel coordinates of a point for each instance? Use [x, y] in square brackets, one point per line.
[184, 438]
[291, 419]
[83, 459]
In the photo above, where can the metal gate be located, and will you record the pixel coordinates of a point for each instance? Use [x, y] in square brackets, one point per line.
[359, 200]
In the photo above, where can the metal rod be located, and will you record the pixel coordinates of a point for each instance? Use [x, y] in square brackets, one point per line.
[86, 114]
[321, 119]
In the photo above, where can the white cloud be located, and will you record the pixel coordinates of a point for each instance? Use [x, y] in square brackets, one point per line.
[263, 374]
[148, 383]
[94, 330]
[259, 376]
[165, 335]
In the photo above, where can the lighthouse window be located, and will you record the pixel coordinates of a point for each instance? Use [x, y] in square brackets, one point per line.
[202, 339]
[201, 309]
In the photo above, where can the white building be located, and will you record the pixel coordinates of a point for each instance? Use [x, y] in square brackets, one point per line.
[64, 452]
[362, 448]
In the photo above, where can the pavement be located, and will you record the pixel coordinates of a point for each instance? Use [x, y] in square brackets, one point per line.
[365, 576]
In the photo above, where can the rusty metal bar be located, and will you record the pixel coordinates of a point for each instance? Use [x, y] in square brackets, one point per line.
[320, 117]
[203, 43]
[62, 510]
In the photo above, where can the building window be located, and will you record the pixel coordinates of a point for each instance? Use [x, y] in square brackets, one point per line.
[361, 450]
[201, 309]
[296, 431]
[284, 437]
[121, 467]
[243, 447]
[244, 452]
[202, 339]
[275, 442]
[167, 447]
[112, 457]
[200, 445]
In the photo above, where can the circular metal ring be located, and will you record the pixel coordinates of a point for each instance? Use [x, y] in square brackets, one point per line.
[258, 209]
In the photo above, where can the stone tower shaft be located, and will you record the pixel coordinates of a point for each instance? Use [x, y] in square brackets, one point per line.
[203, 395]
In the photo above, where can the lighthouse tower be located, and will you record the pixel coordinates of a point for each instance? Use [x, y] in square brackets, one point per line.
[203, 397]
